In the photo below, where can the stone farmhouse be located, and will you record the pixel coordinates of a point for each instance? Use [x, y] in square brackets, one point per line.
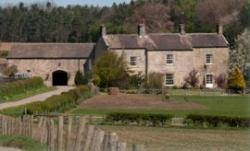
[56, 63]
[174, 55]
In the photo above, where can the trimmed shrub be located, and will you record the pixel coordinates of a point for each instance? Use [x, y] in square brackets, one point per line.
[216, 121]
[10, 71]
[81, 79]
[3, 54]
[60, 103]
[139, 119]
[154, 81]
[8, 90]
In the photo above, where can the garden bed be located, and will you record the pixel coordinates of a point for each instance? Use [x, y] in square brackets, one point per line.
[137, 101]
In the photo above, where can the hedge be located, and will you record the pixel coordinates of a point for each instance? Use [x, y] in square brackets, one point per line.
[217, 121]
[11, 89]
[60, 103]
[139, 119]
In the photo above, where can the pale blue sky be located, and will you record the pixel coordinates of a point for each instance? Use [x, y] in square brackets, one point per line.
[66, 2]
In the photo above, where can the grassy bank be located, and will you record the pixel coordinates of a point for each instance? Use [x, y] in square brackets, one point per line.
[20, 88]
[21, 142]
[172, 139]
[27, 94]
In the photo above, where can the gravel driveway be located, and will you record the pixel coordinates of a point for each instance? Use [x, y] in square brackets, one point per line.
[36, 98]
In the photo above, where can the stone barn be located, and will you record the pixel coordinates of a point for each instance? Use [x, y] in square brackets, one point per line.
[56, 63]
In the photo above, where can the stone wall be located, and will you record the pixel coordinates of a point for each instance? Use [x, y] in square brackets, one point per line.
[45, 67]
[139, 54]
[186, 61]
[183, 64]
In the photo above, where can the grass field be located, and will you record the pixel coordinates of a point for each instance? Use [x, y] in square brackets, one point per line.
[171, 139]
[213, 105]
[23, 143]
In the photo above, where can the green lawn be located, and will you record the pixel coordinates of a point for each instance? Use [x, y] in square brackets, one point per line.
[215, 105]
[21, 142]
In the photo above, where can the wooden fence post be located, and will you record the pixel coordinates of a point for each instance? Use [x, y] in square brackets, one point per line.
[97, 140]
[121, 147]
[31, 126]
[138, 148]
[105, 146]
[44, 131]
[89, 137]
[69, 130]
[113, 141]
[51, 135]
[60, 134]
[79, 137]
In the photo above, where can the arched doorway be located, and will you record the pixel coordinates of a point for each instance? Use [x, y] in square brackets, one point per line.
[60, 78]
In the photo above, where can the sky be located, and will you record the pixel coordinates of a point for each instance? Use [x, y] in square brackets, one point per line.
[66, 2]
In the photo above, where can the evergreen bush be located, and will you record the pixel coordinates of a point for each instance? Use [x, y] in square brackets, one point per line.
[236, 81]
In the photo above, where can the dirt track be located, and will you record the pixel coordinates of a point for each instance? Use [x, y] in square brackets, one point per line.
[137, 101]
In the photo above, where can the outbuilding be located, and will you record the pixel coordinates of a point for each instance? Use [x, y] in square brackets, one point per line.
[56, 63]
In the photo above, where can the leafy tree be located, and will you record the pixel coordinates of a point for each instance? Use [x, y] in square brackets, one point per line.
[236, 81]
[111, 69]
[10, 71]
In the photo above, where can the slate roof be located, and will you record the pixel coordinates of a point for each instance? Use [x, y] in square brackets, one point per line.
[50, 50]
[166, 41]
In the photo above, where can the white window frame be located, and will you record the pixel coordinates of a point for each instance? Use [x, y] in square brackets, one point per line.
[209, 58]
[209, 83]
[172, 60]
[133, 62]
[166, 80]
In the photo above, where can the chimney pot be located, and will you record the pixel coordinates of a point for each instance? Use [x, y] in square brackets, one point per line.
[141, 29]
[182, 29]
[103, 30]
[220, 29]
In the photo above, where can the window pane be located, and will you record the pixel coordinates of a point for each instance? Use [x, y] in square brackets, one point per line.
[209, 79]
[133, 61]
[209, 58]
[169, 79]
[170, 59]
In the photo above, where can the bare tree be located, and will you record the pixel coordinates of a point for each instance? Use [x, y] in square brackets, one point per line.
[192, 80]
[155, 15]
[218, 11]
[241, 55]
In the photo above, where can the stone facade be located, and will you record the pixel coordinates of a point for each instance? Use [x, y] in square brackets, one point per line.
[184, 63]
[140, 61]
[45, 67]
[189, 52]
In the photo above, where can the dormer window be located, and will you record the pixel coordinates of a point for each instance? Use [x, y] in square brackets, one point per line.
[170, 59]
[209, 58]
[133, 61]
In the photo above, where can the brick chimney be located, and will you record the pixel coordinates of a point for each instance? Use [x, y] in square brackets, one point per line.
[182, 29]
[103, 30]
[220, 29]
